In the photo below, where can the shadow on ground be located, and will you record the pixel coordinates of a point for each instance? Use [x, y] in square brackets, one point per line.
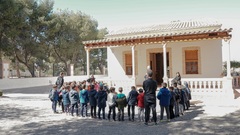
[189, 123]
[185, 124]
[30, 90]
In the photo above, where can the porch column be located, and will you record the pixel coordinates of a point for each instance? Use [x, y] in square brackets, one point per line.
[133, 62]
[88, 65]
[227, 83]
[72, 69]
[227, 42]
[165, 77]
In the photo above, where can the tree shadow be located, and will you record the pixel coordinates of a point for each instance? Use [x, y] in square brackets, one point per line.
[186, 124]
[30, 90]
[95, 126]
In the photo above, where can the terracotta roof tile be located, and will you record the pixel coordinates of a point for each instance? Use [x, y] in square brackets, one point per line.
[174, 28]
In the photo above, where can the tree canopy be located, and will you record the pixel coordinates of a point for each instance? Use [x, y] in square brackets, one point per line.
[32, 34]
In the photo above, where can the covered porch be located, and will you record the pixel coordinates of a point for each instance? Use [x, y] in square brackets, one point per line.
[199, 85]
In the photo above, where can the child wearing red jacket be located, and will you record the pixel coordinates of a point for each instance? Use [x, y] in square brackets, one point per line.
[140, 103]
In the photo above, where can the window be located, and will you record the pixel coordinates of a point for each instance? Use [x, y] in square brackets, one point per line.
[128, 64]
[191, 61]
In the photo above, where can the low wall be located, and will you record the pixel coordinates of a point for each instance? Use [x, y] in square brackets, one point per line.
[41, 81]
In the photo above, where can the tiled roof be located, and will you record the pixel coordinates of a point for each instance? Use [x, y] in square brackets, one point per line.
[175, 28]
[206, 24]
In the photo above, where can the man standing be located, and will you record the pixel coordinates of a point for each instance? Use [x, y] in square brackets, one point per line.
[59, 84]
[150, 87]
[60, 81]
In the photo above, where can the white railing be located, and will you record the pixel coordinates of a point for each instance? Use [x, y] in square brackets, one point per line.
[204, 83]
[124, 83]
[206, 87]
[236, 82]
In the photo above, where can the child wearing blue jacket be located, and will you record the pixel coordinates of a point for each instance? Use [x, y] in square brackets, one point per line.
[74, 99]
[66, 100]
[54, 96]
[83, 95]
[164, 96]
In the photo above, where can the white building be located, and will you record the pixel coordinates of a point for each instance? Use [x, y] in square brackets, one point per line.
[193, 48]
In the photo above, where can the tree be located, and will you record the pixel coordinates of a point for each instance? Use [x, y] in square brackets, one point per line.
[23, 31]
[68, 30]
[99, 56]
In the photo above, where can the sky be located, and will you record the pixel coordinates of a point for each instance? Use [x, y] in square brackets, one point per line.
[116, 14]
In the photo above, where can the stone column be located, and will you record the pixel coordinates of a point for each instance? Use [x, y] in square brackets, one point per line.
[227, 83]
[227, 42]
[165, 77]
[88, 62]
[72, 69]
[133, 62]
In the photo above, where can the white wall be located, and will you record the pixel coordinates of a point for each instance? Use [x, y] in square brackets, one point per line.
[210, 55]
[115, 62]
[5, 70]
[39, 81]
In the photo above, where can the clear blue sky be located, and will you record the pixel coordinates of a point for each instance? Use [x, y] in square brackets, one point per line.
[115, 14]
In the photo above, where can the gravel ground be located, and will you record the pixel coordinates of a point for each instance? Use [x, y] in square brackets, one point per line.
[30, 113]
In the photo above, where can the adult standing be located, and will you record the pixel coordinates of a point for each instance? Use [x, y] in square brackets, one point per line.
[59, 84]
[60, 81]
[150, 87]
[177, 79]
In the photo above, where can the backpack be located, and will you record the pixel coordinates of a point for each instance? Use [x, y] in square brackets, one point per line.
[50, 95]
[121, 101]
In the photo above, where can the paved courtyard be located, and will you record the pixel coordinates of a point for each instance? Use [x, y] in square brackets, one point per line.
[28, 111]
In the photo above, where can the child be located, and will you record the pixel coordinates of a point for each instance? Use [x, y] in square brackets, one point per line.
[140, 103]
[74, 98]
[93, 101]
[172, 103]
[164, 96]
[111, 99]
[66, 100]
[101, 97]
[60, 98]
[121, 103]
[53, 95]
[132, 100]
[83, 95]
[178, 98]
[183, 99]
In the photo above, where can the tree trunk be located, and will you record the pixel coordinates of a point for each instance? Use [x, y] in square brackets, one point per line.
[67, 68]
[31, 70]
[17, 68]
[39, 72]
[100, 68]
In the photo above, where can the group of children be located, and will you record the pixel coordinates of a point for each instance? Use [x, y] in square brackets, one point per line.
[96, 95]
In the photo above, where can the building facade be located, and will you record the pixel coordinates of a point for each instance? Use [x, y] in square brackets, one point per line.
[192, 48]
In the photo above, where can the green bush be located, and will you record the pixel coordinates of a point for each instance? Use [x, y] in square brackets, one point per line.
[1, 93]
